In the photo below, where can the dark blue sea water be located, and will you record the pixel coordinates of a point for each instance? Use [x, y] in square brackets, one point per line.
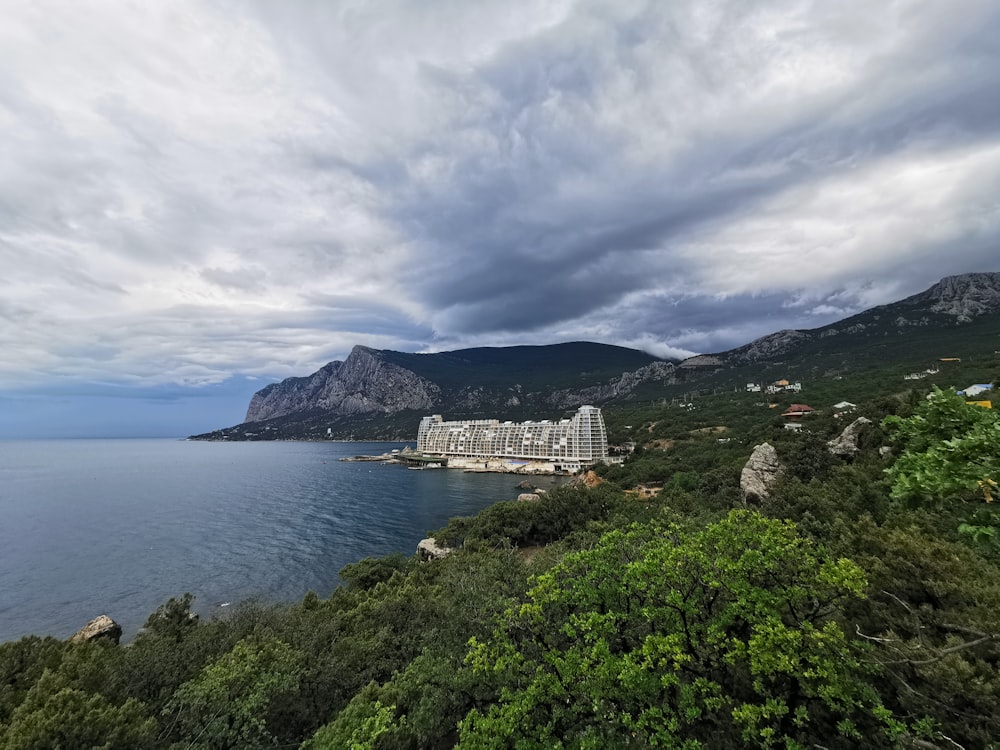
[118, 526]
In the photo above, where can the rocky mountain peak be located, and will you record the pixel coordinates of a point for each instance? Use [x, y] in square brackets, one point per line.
[965, 296]
[769, 346]
[362, 383]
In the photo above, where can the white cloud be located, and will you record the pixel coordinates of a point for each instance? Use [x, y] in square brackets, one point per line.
[204, 188]
[897, 210]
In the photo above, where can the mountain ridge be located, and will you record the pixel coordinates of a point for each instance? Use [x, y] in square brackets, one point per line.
[378, 392]
[371, 380]
[962, 298]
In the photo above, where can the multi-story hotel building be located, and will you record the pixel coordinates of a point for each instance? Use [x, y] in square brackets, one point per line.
[568, 444]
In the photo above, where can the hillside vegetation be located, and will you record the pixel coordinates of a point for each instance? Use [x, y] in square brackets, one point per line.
[857, 606]
[529, 368]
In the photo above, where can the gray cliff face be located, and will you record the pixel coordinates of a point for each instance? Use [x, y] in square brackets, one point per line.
[768, 346]
[964, 297]
[625, 383]
[702, 360]
[290, 395]
[367, 383]
[363, 383]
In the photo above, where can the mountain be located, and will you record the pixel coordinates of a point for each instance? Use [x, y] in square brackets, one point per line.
[381, 394]
[954, 302]
[366, 381]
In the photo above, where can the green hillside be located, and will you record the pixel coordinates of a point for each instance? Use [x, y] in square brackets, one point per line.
[856, 365]
[534, 368]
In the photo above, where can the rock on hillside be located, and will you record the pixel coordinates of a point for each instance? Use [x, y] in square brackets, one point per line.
[102, 627]
[760, 473]
[845, 445]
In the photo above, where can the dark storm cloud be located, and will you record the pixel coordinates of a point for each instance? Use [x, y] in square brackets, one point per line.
[500, 238]
[201, 189]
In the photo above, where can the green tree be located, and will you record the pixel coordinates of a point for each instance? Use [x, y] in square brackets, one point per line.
[950, 452]
[366, 573]
[22, 662]
[58, 716]
[173, 619]
[358, 726]
[723, 638]
[228, 704]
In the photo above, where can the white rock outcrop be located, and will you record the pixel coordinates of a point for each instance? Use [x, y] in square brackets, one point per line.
[101, 626]
[845, 445]
[760, 473]
[428, 549]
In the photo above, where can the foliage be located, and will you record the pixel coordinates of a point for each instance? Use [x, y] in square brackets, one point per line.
[935, 603]
[64, 717]
[723, 637]
[21, 665]
[174, 618]
[556, 514]
[65, 706]
[366, 573]
[358, 727]
[950, 452]
[432, 691]
[227, 705]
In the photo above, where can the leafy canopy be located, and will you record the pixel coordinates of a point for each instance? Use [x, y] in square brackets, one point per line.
[723, 637]
[950, 452]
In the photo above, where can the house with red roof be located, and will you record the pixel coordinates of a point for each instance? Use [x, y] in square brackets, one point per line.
[797, 411]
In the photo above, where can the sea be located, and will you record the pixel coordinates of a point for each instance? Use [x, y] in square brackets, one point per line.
[116, 527]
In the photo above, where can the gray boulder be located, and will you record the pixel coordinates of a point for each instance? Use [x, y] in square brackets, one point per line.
[846, 444]
[528, 497]
[101, 626]
[759, 474]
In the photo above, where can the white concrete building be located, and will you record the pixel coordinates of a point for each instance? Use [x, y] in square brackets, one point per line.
[568, 444]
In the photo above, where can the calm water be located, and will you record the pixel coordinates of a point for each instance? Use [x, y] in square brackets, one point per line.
[118, 526]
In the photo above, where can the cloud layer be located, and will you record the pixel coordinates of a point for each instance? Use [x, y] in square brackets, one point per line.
[194, 191]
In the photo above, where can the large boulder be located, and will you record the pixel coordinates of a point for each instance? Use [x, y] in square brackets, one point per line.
[528, 497]
[100, 627]
[428, 549]
[760, 473]
[846, 444]
[588, 479]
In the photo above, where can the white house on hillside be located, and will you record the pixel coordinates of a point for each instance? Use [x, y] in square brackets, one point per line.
[976, 389]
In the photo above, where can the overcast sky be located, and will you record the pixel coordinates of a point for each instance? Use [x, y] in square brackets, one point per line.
[198, 197]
